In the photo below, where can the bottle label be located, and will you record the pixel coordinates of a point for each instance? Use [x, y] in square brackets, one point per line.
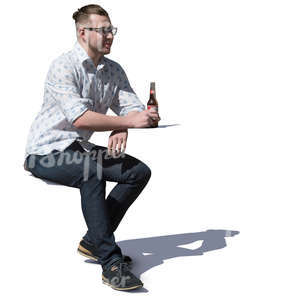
[154, 107]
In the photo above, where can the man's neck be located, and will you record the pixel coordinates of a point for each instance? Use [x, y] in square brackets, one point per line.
[95, 57]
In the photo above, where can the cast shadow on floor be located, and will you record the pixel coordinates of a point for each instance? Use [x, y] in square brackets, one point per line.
[150, 252]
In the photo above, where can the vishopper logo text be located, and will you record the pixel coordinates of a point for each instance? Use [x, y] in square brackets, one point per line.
[119, 282]
[58, 158]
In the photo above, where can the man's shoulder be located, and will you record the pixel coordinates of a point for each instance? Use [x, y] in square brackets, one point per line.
[64, 59]
[63, 62]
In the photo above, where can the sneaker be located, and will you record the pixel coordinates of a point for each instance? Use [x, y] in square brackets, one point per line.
[120, 278]
[86, 249]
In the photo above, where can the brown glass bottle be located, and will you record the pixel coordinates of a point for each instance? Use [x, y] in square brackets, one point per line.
[152, 103]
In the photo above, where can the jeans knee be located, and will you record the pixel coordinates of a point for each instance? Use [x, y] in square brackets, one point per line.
[146, 172]
[141, 173]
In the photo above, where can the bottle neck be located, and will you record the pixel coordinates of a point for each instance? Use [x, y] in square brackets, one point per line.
[152, 89]
[152, 95]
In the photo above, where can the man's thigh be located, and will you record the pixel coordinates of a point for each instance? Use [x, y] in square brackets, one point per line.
[69, 167]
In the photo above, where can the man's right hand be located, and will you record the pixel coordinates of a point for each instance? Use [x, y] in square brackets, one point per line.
[145, 118]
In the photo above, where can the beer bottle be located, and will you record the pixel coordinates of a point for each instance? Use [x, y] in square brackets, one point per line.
[152, 103]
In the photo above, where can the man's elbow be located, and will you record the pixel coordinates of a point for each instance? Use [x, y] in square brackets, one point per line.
[79, 122]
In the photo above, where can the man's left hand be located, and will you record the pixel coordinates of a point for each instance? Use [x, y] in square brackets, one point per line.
[117, 141]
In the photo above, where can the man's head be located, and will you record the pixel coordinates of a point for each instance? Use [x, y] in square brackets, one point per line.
[94, 16]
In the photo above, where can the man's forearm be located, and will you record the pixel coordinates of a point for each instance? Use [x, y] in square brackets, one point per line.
[94, 121]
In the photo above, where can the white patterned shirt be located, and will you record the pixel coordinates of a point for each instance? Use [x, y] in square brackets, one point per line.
[74, 85]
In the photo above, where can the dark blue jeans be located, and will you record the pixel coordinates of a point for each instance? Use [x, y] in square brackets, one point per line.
[89, 172]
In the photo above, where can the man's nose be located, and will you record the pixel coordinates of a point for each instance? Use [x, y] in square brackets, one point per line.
[109, 36]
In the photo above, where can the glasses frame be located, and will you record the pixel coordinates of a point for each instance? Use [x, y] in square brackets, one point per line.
[113, 30]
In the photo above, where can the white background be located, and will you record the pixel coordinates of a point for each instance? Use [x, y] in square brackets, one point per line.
[228, 73]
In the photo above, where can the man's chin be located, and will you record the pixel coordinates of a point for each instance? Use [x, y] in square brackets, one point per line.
[105, 51]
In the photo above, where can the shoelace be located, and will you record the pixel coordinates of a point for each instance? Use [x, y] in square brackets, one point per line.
[122, 267]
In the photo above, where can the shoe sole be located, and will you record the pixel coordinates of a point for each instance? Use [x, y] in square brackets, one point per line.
[106, 281]
[82, 251]
[86, 253]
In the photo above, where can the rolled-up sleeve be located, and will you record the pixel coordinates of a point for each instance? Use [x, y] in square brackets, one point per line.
[125, 99]
[61, 85]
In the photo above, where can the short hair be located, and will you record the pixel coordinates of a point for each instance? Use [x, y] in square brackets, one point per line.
[83, 13]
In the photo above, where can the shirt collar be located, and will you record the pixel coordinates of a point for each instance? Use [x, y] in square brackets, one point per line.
[83, 56]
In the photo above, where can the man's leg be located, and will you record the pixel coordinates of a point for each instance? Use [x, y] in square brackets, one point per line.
[131, 175]
[72, 167]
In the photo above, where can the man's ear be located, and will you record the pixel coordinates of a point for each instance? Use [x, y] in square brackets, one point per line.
[81, 33]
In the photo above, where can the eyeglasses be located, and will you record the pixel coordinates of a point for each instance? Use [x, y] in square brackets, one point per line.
[104, 30]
